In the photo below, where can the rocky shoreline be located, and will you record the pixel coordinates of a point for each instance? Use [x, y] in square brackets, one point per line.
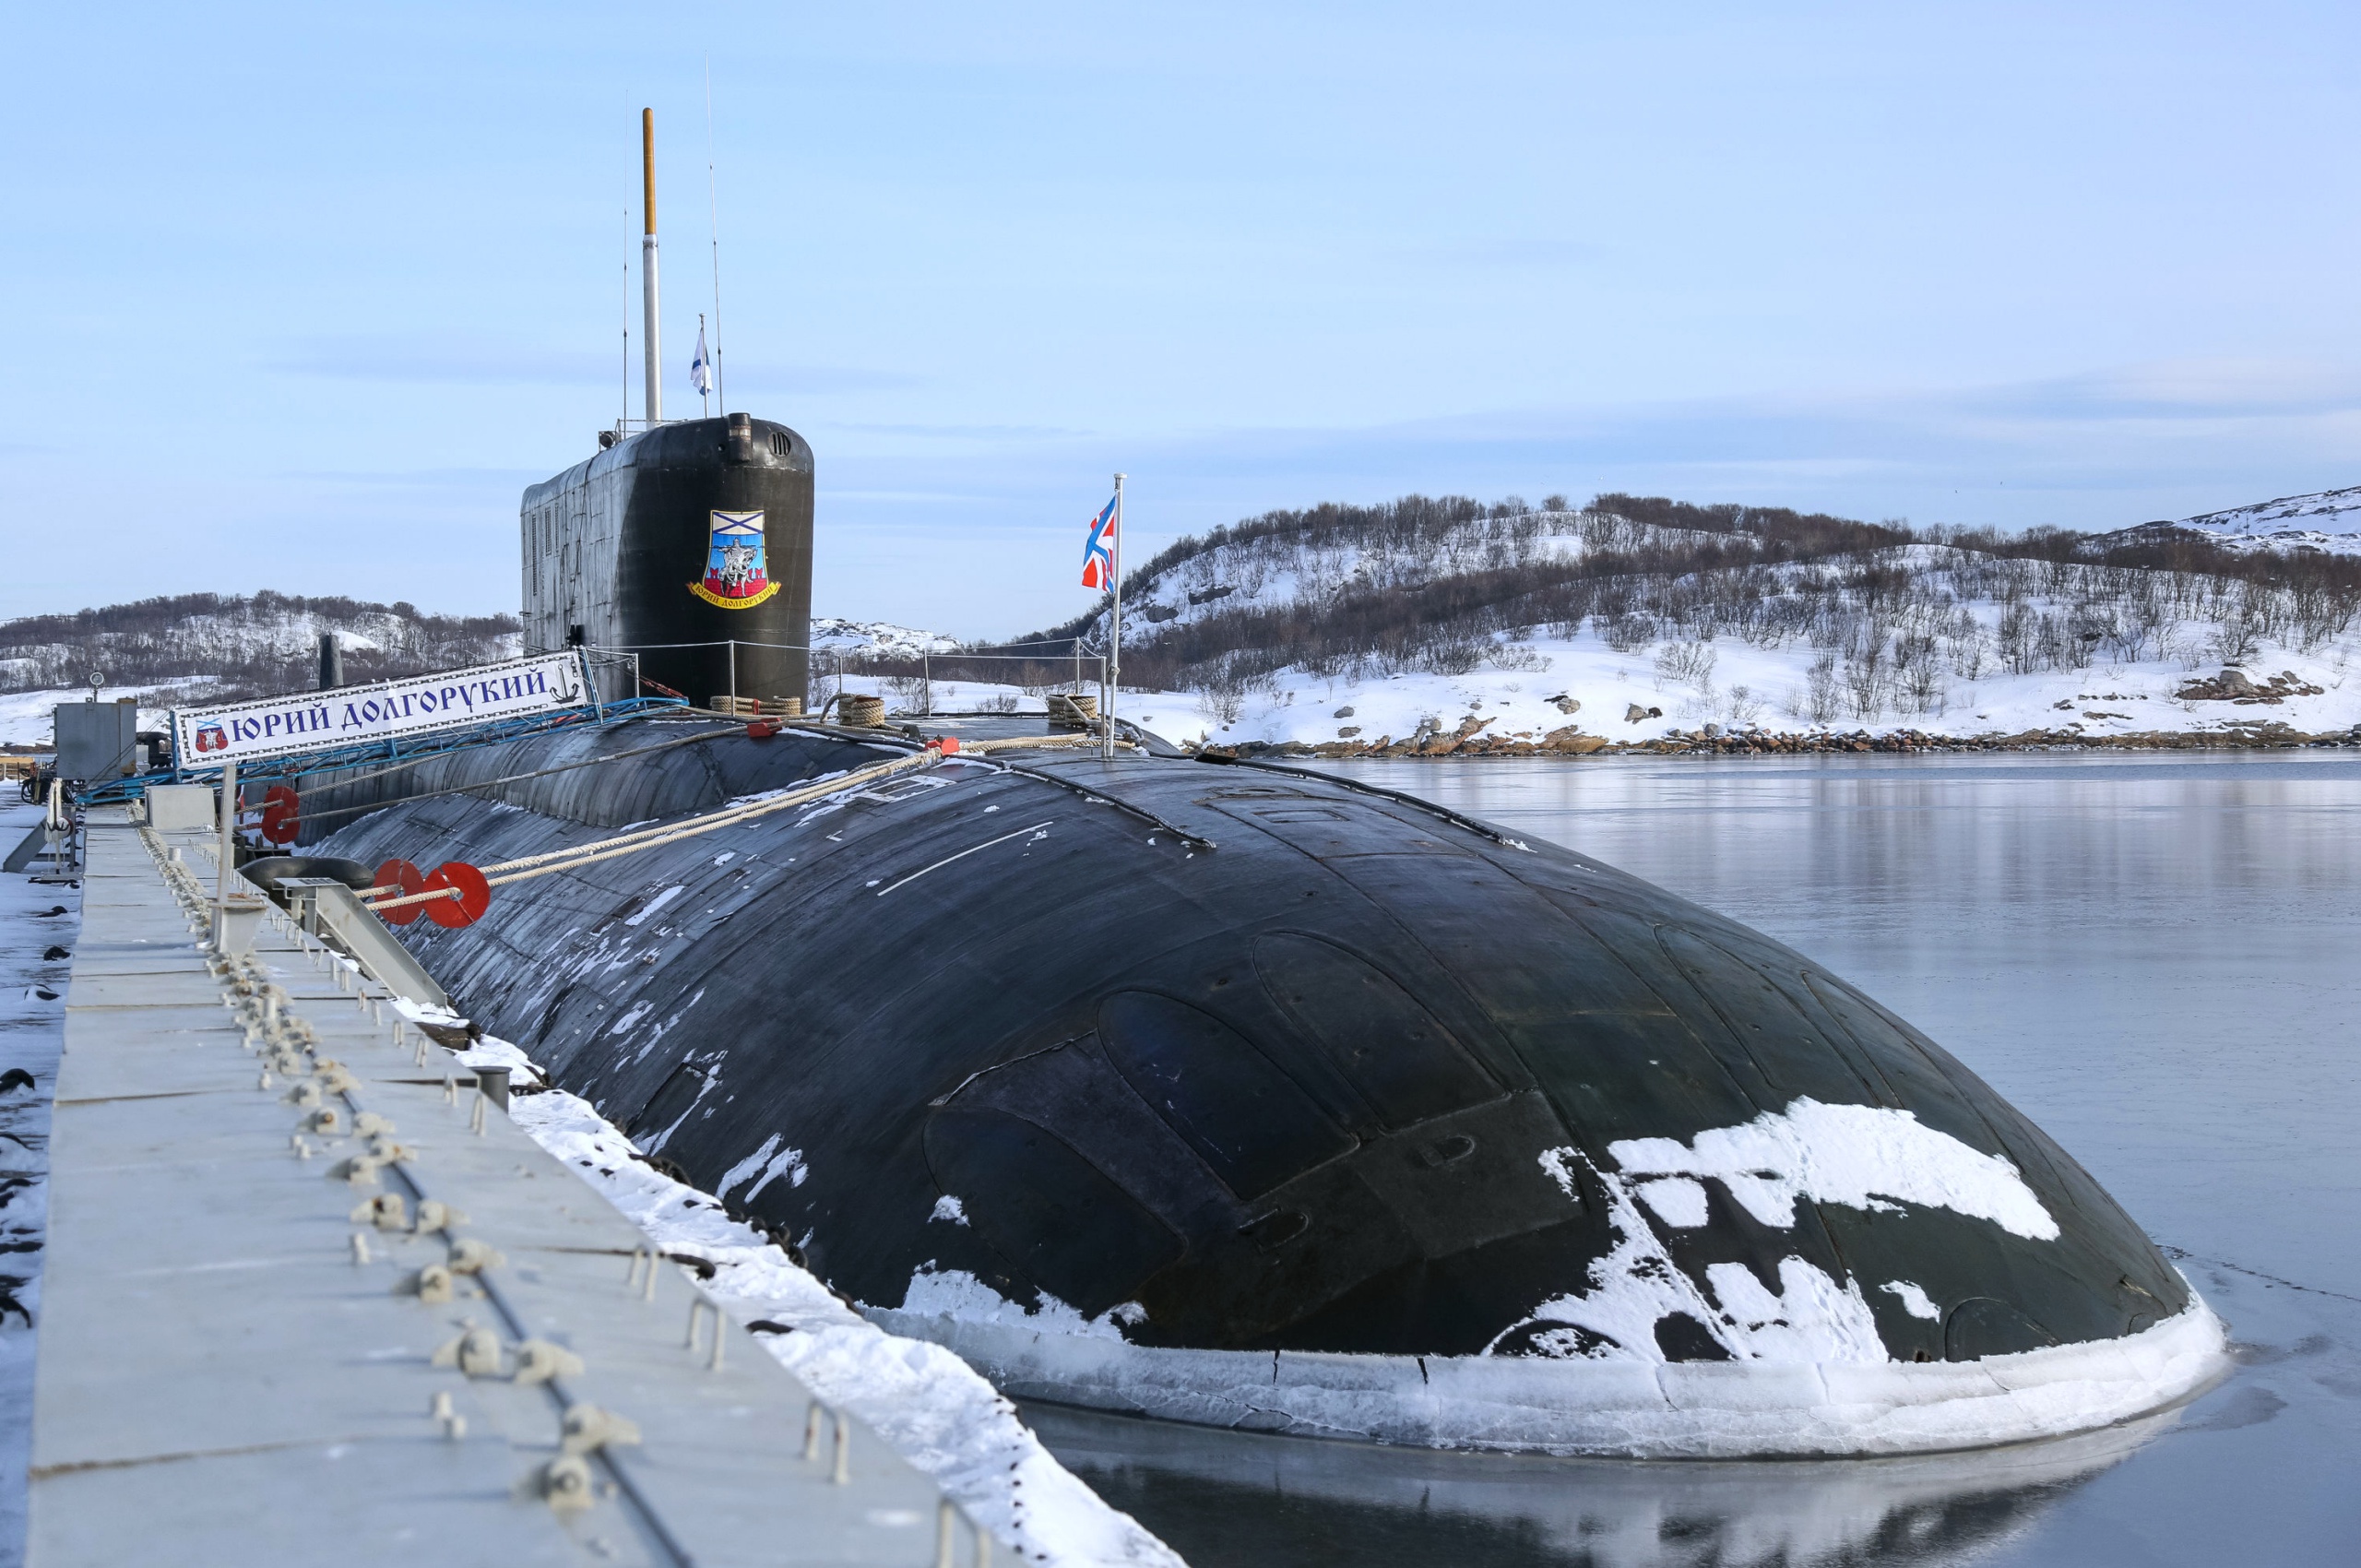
[1712, 742]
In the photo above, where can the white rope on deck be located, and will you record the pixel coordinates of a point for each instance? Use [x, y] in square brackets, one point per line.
[530, 866]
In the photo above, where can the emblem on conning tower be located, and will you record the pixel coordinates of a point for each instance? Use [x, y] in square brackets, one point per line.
[735, 578]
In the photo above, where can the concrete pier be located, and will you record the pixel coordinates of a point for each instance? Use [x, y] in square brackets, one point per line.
[262, 1343]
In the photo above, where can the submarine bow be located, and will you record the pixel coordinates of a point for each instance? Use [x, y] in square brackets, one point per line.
[1234, 1095]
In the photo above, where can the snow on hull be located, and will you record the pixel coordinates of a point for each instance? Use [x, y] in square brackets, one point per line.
[1679, 1410]
[1808, 1372]
[934, 1411]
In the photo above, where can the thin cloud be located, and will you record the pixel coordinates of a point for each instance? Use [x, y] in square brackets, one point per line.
[442, 359]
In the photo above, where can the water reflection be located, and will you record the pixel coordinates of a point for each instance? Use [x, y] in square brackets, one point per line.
[2151, 957]
[1230, 1498]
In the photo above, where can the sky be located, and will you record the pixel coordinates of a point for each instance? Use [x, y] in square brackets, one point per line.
[304, 297]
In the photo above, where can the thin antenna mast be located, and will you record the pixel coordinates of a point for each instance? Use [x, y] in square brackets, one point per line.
[713, 195]
[623, 426]
[651, 331]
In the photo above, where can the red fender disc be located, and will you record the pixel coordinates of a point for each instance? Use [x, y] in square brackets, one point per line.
[280, 820]
[475, 894]
[405, 879]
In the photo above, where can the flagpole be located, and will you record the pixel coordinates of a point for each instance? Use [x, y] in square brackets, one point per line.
[1115, 630]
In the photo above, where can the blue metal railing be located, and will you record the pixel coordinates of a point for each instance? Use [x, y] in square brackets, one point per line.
[280, 770]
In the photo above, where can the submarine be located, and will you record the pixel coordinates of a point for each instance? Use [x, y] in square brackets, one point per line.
[1230, 1093]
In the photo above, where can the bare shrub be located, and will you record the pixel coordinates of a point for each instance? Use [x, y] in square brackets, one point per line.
[2235, 640]
[1692, 664]
[1452, 656]
[1519, 656]
[1825, 695]
[1864, 678]
[1628, 632]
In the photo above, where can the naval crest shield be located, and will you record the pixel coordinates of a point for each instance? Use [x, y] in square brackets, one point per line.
[735, 575]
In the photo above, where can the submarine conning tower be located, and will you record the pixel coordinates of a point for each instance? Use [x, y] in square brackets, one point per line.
[688, 545]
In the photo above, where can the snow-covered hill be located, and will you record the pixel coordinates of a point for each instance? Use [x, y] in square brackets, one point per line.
[876, 637]
[2330, 519]
[1636, 619]
[2327, 520]
[221, 646]
[1570, 694]
[208, 648]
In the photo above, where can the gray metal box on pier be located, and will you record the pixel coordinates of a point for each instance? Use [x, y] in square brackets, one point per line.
[97, 740]
[690, 545]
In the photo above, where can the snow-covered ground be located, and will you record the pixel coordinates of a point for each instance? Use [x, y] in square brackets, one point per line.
[934, 1410]
[1926, 638]
[27, 719]
[2329, 520]
[876, 637]
[1516, 693]
[165, 642]
[32, 1025]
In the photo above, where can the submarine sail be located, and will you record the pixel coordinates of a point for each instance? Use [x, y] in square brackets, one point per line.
[687, 546]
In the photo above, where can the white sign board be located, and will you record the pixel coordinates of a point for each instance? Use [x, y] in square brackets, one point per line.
[349, 716]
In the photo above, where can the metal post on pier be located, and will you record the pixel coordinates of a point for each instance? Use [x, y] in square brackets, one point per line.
[733, 674]
[926, 683]
[591, 683]
[228, 838]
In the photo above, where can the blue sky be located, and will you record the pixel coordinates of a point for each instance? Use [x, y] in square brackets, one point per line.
[305, 296]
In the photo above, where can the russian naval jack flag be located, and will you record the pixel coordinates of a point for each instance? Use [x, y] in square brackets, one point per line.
[1098, 554]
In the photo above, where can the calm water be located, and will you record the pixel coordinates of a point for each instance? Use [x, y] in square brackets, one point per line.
[2160, 961]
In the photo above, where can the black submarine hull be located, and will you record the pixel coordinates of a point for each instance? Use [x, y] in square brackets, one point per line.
[1219, 1061]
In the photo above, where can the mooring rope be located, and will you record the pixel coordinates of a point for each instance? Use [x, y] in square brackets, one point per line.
[530, 866]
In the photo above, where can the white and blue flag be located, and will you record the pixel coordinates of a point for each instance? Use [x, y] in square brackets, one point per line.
[701, 367]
